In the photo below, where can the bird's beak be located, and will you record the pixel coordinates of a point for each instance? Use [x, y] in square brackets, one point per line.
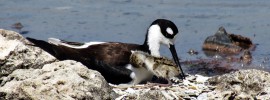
[176, 60]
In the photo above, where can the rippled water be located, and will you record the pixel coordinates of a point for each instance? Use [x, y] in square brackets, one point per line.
[127, 21]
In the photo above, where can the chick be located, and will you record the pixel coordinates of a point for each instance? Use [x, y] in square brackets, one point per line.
[145, 66]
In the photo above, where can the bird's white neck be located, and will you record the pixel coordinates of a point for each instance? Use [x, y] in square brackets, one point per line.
[153, 40]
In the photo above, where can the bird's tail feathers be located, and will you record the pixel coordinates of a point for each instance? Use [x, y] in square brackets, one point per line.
[43, 45]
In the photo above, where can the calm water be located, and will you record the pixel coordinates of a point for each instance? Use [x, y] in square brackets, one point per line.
[127, 21]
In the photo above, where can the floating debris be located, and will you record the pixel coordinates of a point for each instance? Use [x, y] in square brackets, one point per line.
[192, 52]
[17, 26]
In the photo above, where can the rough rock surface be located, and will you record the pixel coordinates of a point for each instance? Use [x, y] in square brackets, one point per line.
[21, 76]
[16, 54]
[244, 84]
[64, 80]
[188, 89]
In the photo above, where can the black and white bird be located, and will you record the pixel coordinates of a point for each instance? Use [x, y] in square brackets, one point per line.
[111, 59]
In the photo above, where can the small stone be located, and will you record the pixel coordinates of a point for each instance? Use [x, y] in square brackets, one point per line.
[192, 52]
[243, 96]
[130, 90]
[201, 79]
[17, 26]
[203, 96]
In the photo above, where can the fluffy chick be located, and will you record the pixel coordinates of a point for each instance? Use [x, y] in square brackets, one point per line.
[145, 66]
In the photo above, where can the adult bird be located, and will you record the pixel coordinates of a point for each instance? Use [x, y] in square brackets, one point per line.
[111, 59]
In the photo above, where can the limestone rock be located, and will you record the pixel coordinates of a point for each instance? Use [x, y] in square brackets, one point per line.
[64, 80]
[242, 84]
[187, 89]
[239, 85]
[17, 53]
[21, 76]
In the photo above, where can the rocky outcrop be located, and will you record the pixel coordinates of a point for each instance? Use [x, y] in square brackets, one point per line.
[17, 53]
[64, 80]
[222, 42]
[27, 72]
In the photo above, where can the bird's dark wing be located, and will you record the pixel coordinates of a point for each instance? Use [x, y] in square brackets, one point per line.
[109, 58]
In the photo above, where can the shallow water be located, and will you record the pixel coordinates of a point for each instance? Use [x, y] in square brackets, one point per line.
[127, 21]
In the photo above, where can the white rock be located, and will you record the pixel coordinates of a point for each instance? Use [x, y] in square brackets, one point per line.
[201, 79]
[202, 96]
[16, 53]
[130, 90]
[57, 81]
